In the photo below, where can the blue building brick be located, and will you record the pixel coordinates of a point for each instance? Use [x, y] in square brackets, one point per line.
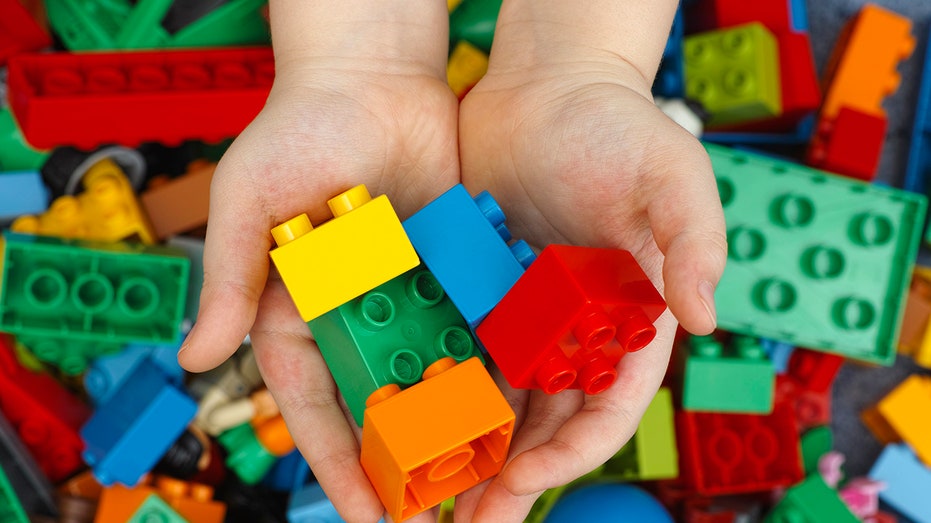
[798, 15]
[908, 482]
[288, 474]
[778, 353]
[670, 79]
[919, 154]
[21, 193]
[128, 434]
[107, 373]
[463, 241]
[310, 505]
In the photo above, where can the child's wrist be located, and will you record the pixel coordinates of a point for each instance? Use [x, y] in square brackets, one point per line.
[628, 35]
[389, 37]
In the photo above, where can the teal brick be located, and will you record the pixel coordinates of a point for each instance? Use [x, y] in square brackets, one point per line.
[390, 335]
[737, 378]
[75, 295]
[734, 73]
[814, 259]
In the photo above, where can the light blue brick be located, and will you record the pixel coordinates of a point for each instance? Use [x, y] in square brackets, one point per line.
[908, 482]
[21, 192]
[463, 241]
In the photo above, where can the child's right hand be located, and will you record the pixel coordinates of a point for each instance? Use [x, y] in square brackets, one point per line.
[328, 125]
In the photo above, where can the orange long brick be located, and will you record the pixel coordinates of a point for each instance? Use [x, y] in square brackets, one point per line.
[862, 68]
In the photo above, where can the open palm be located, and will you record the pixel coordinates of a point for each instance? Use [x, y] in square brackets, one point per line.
[314, 139]
[581, 155]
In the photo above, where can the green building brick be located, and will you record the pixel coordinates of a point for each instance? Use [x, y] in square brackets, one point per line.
[814, 259]
[245, 454]
[474, 21]
[10, 508]
[142, 27]
[15, 153]
[816, 442]
[85, 25]
[68, 297]
[734, 73]
[811, 501]
[237, 22]
[155, 510]
[390, 335]
[737, 378]
[651, 453]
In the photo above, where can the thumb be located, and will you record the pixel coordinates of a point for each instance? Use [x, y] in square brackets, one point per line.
[688, 225]
[235, 271]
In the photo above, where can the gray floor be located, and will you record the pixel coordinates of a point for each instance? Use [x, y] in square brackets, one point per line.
[858, 387]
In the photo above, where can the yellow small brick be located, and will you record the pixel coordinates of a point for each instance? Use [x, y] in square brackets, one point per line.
[467, 65]
[363, 246]
[904, 408]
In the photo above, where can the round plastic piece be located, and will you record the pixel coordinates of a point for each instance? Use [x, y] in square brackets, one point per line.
[609, 503]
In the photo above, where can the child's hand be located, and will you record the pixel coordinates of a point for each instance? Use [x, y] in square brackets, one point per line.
[327, 127]
[577, 153]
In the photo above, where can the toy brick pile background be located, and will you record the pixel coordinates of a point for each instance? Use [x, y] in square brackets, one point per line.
[810, 404]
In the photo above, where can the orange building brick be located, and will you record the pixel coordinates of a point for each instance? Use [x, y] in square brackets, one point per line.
[194, 502]
[435, 439]
[180, 205]
[862, 68]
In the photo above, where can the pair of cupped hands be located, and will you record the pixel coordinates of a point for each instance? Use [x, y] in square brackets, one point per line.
[574, 151]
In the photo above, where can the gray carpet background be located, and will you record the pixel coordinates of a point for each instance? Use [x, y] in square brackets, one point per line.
[857, 387]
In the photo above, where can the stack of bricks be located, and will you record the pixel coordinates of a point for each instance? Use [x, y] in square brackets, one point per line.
[399, 309]
[101, 271]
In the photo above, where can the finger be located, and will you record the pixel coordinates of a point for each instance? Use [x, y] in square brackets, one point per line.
[544, 414]
[599, 429]
[298, 378]
[235, 270]
[688, 226]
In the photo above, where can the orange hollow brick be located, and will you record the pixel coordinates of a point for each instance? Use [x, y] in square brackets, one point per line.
[862, 68]
[435, 439]
[363, 246]
[179, 205]
[107, 210]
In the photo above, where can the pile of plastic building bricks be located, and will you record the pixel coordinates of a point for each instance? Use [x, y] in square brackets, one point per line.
[113, 117]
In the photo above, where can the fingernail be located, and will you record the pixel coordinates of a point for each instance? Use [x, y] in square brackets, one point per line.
[706, 295]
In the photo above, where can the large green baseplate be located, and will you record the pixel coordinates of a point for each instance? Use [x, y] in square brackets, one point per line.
[815, 259]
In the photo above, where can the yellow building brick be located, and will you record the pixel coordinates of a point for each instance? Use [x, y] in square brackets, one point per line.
[363, 246]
